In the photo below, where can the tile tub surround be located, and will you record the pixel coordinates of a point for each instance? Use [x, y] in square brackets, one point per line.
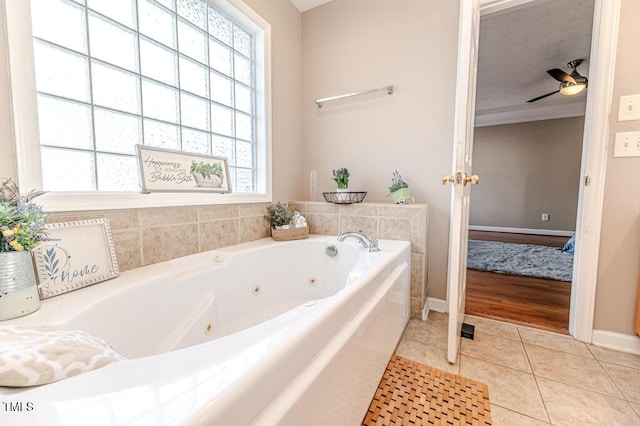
[409, 222]
[147, 236]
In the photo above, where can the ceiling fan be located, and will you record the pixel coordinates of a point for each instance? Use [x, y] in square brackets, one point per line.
[570, 84]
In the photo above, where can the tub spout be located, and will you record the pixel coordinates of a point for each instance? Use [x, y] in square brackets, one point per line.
[366, 242]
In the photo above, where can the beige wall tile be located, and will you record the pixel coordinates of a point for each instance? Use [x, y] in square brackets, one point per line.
[404, 211]
[417, 276]
[368, 225]
[323, 224]
[213, 227]
[72, 217]
[168, 242]
[419, 235]
[253, 228]
[128, 244]
[220, 233]
[252, 209]
[118, 219]
[395, 229]
[416, 308]
[217, 212]
[314, 207]
[167, 216]
[123, 219]
[361, 209]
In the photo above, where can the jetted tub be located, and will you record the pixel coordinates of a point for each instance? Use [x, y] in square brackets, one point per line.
[259, 333]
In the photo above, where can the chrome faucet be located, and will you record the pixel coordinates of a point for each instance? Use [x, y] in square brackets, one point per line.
[370, 243]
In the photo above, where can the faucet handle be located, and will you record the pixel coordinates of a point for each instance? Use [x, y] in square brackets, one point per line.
[374, 245]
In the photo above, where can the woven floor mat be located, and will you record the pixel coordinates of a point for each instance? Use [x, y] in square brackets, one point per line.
[414, 394]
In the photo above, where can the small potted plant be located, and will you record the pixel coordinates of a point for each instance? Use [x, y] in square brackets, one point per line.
[285, 224]
[207, 174]
[341, 178]
[399, 189]
[280, 216]
[22, 228]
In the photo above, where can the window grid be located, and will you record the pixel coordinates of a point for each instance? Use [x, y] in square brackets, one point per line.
[142, 116]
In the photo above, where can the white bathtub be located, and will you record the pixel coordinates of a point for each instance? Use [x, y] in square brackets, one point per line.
[259, 333]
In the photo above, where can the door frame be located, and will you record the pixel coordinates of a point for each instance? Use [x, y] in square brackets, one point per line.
[604, 42]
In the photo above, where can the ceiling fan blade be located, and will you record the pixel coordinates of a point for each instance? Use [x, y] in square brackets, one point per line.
[560, 75]
[542, 97]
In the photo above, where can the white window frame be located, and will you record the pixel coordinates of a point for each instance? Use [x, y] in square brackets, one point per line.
[26, 139]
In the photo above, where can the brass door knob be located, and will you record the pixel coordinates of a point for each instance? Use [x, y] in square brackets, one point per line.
[448, 179]
[474, 179]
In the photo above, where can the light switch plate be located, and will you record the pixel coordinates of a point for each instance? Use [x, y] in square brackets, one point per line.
[627, 144]
[629, 108]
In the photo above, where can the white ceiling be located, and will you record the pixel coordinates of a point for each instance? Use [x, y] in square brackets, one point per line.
[518, 46]
[304, 5]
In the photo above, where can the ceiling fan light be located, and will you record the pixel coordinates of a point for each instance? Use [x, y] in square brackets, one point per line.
[569, 89]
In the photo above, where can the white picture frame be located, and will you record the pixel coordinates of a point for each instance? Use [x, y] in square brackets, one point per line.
[78, 254]
[168, 170]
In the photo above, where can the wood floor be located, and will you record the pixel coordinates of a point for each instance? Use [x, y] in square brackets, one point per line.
[530, 301]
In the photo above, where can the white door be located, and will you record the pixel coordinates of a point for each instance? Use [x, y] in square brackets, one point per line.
[461, 175]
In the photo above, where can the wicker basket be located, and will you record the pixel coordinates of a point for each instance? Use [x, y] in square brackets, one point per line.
[290, 234]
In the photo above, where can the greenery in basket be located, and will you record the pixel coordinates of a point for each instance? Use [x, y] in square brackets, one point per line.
[279, 214]
[21, 221]
[206, 169]
[341, 177]
[397, 182]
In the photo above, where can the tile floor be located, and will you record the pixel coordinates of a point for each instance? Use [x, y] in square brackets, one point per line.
[534, 377]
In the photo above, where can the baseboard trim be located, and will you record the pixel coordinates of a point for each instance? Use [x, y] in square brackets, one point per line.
[425, 310]
[618, 341]
[522, 230]
[438, 305]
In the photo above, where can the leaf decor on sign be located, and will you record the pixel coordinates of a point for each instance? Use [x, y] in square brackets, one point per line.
[50, 262]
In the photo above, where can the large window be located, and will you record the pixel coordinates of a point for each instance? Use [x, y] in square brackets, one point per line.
[189, 75]
[176, 74]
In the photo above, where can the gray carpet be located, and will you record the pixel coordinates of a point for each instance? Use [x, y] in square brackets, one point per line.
[520, 259]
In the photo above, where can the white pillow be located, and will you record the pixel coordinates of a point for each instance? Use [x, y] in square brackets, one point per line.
[39, 355]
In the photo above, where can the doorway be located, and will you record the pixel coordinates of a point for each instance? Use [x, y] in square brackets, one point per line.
[591, 189]
[526, 209]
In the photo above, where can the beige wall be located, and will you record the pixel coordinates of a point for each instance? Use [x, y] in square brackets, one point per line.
[619, 262]
[286, 87]
[527, 169]
[351, 45]
[7, 160]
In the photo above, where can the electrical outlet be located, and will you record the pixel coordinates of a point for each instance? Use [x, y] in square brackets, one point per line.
[627, 144]
[629, 108]
[545, 217]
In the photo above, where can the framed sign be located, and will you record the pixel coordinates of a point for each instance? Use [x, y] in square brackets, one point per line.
[79, 254]
[168, 170]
